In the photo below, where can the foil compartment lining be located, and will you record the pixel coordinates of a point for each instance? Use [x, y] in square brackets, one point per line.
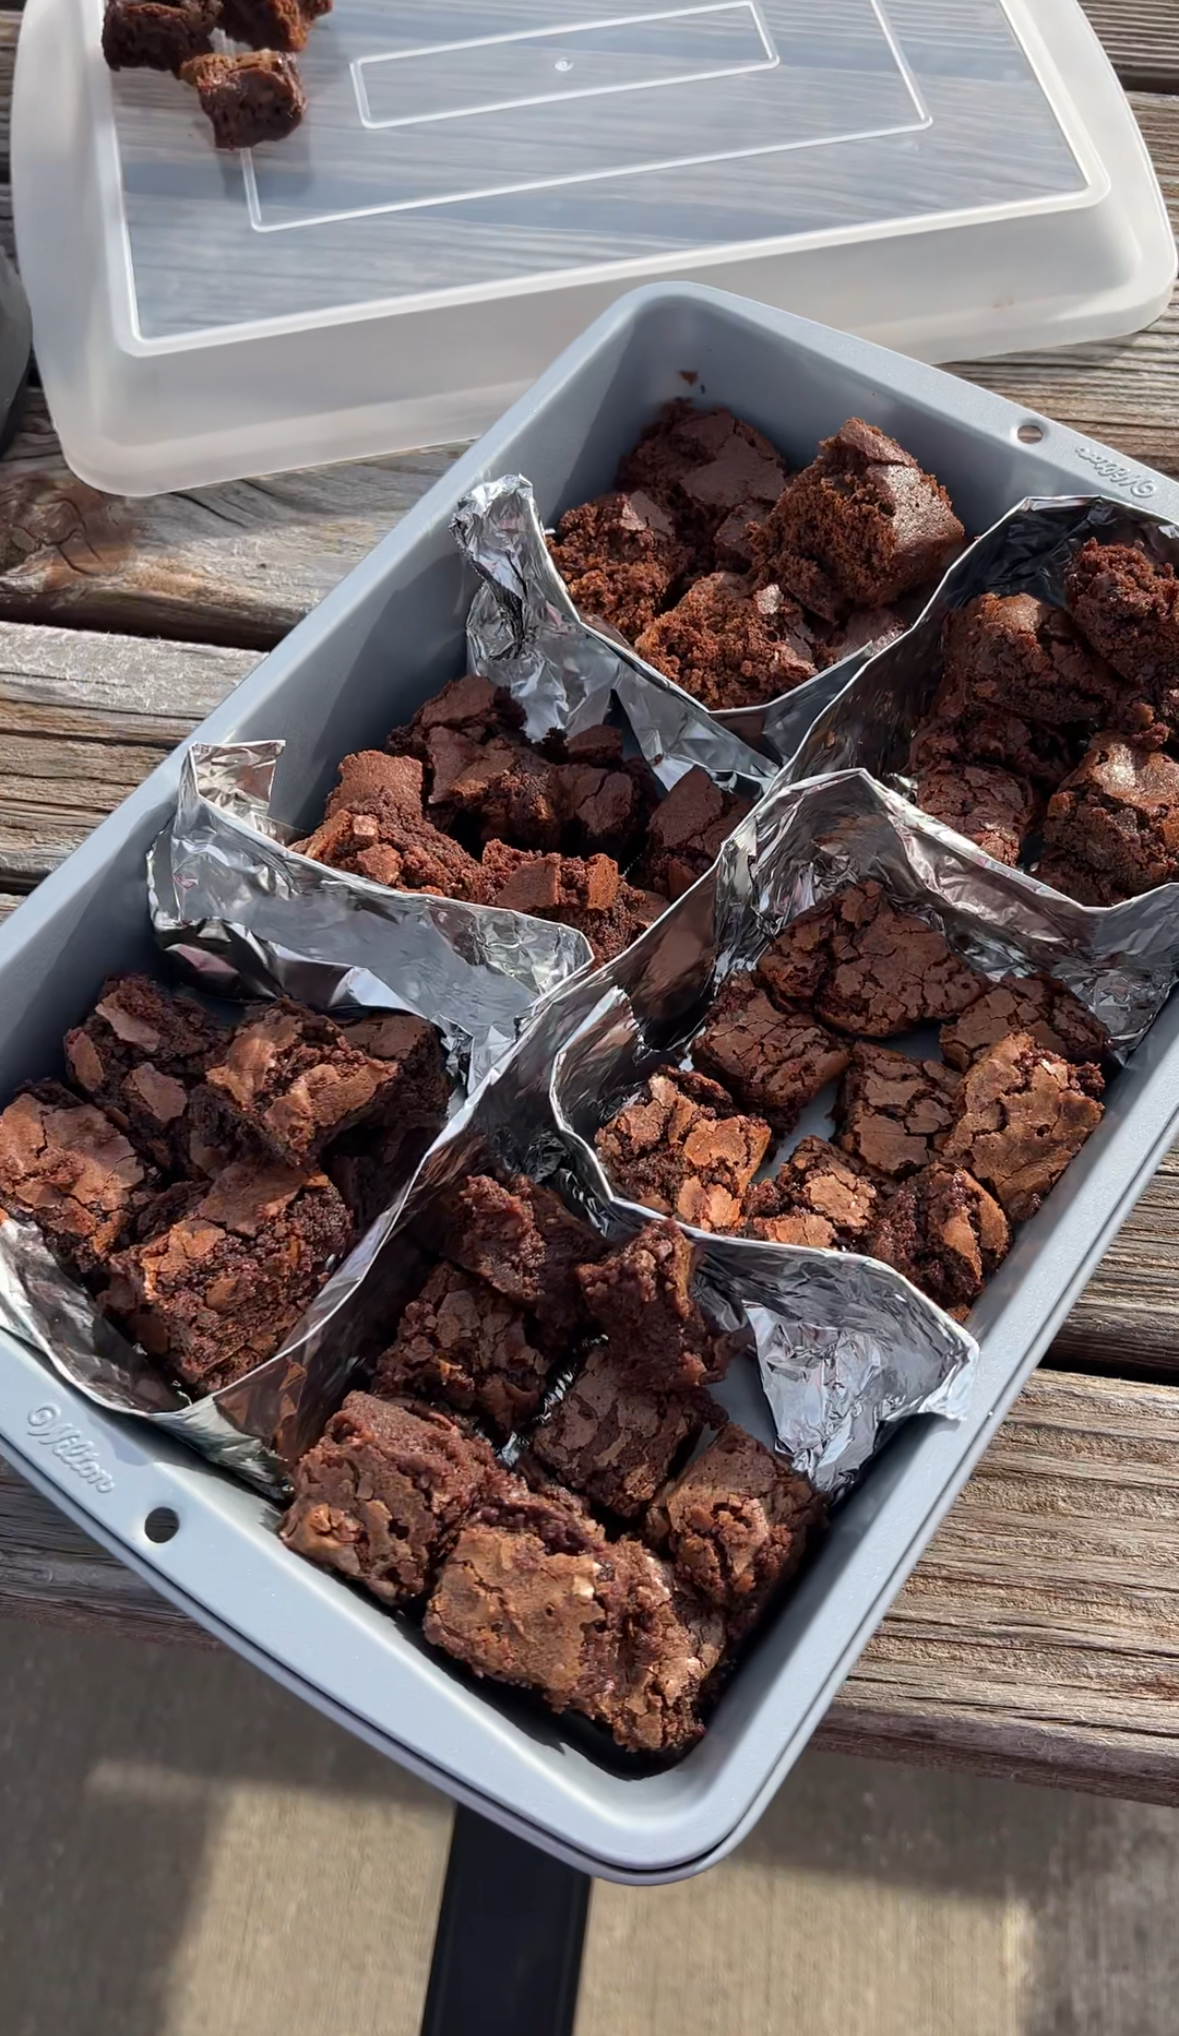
[524, 632]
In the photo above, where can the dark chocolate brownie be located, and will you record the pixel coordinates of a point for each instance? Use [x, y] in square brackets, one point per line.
[868, 968]
[712, 470]
[462, 1342]
[818, 1197]
[737, 1524]
[471, 706]
[250, 99]
[614, 1439]
[67, 1166]
[1035, 1004]
[292, 1080]
[139, 1056]
[493, 791]
[369, 1164]
[1129, 610]
[272, 24]
[961, 730]
[992, 807]
[864, 629]
[859, 527]
[216, 1290]
[604, 799]
[1021, 1115]
[730, 644]
[685, 833]
[683, 1148]
[382, 1495]
[149, 35]
[641, 1294]
[892, 1110]
[591, 896]
[374, 826]
[619, 556]
[945, 1233]
[772, 1061]
[525, 1243]
[1016, 653]
[1112, 829]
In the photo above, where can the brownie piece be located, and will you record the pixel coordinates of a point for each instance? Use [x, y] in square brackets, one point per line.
[945, 1233]
[591, 896]
[641, 1295]
[272, 24]
[382, 1495]
[1021, 1115]
[139, 1056]
[892, 1110]
[67, 1166]
[962, 730]
[864, 629]
[619, 556]
[1014, 652]
[368, 1165]
[992, 807]
[462, 1342]
[525, 1243]
[772, 1061]
[1112, 829]
[869, 969]
[603, 798]
[685, 833]
[859, 527]
[471, 707]
[149, 35]
[291, 1079]
[1128, 608]
[683, 1148]
[216, 1289]
[613, 1438]
[818, 1197]
[730, 644]
[737, 1524]
[712, 470]
[497, 790]
[248, 100]
[1035, 1004]
[375, 826]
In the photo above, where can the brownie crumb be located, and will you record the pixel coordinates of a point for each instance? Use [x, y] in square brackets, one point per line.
[819, 1197]
[1035, 1004]
[462, 1342]
[868, 969]
[149, 35]
[730, 644]
[772, 1061]
[250, 99]
[641, 1295]
[892, 1111]
[683, 1148]
[139, 1056]
[711, 470]
[1112, 829]
[1022, 1114]
[945, 1233]
[737, 1525]
[960, 730]
[291, 1079]
[375, 826]
[613, 1438]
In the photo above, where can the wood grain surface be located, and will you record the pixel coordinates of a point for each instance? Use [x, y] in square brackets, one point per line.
[1141, 40]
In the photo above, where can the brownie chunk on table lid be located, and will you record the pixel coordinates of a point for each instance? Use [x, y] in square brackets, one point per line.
[686, 831]
[713, 471]
[945, 1233]
[272, 24]
[614, 1438]
[382, 1495]
[375, 826]
[249, 99]
[1112, 828]
[683, 1148]
[462, 1342]
[819, 1197]
[868, 968]
[216, 1289]
[139, 1056]
[859, 527]
[772, 1061]
[63, 1163]
[990, 806]
[641, 1295]
[1017, 653]
[294, 1081]
[731, 644]
[737, 1524]
[1022, 1114]
[619, 556]
[150, 35]
[524, 1242]
[1036, 1004]
[892, 1110]
[1128, 608]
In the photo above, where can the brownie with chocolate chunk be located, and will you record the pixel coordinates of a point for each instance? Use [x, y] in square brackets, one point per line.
[524, 1242]
[731, 644]
[737, 1525]
[1112, 829]
[711, 469]
[250, 99]
[382, 1495]
[945, 1233]
[1128, 608]
[139, 1056]
[641, 1295]
[219, 1286]
[1017, 653]
[66, 1165]
[613, 1438]
[375, 826]
[292, 1080]
[1035, 1004]
[868, 968]
[149, 35]
[1021, 1115]
[772, 1061]
[892, 1111]
[818, 1197]
[991, 807]
[686, 831]
[683, 1147]
[462, 1342]
[859, 527]
[272, 24]
[619, 556]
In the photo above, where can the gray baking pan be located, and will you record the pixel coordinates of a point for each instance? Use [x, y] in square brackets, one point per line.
[391, 633]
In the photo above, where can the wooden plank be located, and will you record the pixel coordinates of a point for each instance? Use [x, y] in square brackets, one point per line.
[1141, 39]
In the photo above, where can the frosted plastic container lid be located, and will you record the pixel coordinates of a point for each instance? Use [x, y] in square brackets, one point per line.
[472, 182]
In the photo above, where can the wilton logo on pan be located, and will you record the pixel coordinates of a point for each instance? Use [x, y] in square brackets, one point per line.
[1115, 475]
[46, 1426]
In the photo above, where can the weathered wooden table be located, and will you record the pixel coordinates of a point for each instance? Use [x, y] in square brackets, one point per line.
[1040, 1635]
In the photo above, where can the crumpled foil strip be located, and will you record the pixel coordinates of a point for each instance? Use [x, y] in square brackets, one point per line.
[524, 632]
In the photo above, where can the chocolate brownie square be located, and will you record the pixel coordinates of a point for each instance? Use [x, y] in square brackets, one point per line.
[730, 644]
[711, 469]
[818, 1197]
[859, 527]
[149, 35]
[1112, 829]
[686, 831]
[962, 730]
[462, 1342]
[1021, 1115]
[993, 808]
[619, 556]
[1013, 652]
[641, 1295]
[683, 1148]
[272, 24]
[67, 1166]
[1035, 1004]
[1128, 608]
[375, 826]
[945, 1233]
[892, 1111]
[250, 99]
[868, 968]
[612, 1438]
[737, 1525]
[217, 1289]
[382, 1495]
[525, 1243]
[772, 1061]
[139, 1056]
[292, 1080]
